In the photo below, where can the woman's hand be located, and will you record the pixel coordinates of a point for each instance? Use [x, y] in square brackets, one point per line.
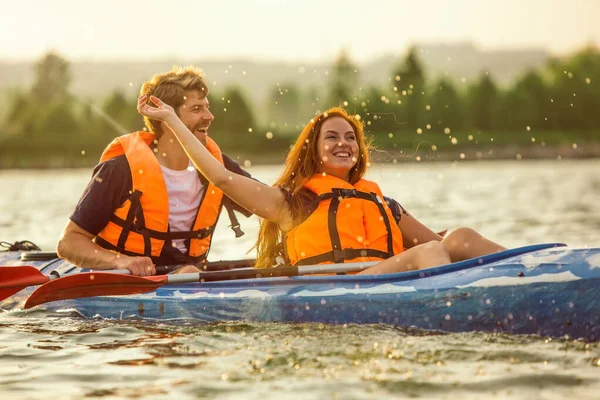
[162, 111]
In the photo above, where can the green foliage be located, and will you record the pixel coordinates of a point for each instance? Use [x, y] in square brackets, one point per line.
[343, 81]
[482, 100]
[52, 79]
[285, 107]
[526, 104]
[122, 114]
[234, 125]
[409, 89]
[559, 105]
[445, 108]
[575, 90]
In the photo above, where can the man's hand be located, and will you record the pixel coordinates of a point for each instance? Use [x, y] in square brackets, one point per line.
[139, 266]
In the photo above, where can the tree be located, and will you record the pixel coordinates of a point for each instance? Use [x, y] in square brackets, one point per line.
[120, 115]
[234, 121]
[380, 112]
[52, 79]
[482, 99]
[17, 120]
[312, 102]
[284, 107]
[445, 108]
[47, 107]
[409, 87]
[525, 104]
[56, 119]
[342, 82]
[575, 90]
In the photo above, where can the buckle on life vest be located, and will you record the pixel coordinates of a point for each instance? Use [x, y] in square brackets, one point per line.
[349, 193]
[339, 255]
[238, 230]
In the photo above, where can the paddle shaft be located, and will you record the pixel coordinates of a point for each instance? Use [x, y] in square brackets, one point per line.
[253, 273]
[223, 265]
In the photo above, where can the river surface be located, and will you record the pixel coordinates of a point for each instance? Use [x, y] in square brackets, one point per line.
[48, 355]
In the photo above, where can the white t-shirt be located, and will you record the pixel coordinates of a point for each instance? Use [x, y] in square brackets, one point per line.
[185, 191]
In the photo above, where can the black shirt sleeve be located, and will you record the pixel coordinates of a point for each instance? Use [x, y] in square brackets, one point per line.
[396, 208]
[234, 166]
[109, 187]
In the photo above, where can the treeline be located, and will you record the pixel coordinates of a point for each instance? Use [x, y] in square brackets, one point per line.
[48, 125]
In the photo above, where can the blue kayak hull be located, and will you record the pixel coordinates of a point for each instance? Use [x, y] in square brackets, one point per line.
[553, 291]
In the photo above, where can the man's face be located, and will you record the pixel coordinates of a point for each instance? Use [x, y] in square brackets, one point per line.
[195, 114]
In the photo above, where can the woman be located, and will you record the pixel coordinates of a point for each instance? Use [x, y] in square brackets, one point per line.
[321, 209]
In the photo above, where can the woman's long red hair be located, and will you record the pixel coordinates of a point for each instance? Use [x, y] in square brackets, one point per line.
[301, 164]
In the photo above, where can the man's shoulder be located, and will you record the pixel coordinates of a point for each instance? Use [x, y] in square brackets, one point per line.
[118, 164]
[233, 166]
[106, 191]
[228, 161]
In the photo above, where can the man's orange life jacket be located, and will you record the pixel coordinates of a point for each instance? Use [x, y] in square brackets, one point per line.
[351, 223]
[140, 226]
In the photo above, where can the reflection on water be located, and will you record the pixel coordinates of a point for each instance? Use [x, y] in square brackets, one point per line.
[514, 203]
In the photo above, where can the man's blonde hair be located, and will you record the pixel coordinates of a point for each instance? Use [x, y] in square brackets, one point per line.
[170, 87]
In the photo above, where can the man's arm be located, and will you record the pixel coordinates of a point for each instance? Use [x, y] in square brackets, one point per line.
[76, 246]
[106, 191]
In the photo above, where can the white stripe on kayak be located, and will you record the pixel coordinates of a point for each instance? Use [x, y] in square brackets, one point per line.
[379, 289]
[534, 261]
[525, 280]
[183, 296]
[247, 294]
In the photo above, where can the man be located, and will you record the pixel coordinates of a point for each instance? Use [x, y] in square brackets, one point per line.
[146, 204]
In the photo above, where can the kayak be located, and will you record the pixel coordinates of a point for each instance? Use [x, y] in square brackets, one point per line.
[545, 289]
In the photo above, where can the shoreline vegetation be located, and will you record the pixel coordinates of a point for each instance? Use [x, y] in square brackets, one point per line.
[550, 113]
[423, 153]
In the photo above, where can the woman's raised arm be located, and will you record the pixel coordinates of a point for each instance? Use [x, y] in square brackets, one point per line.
[265, 201]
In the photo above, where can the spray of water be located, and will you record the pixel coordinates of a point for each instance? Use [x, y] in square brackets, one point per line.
[101, 113]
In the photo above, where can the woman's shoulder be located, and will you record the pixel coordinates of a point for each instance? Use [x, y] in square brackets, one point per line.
[300, 205]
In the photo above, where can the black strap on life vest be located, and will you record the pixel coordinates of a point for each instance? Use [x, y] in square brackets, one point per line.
[235, 224]
[337, 254]
[135, 219]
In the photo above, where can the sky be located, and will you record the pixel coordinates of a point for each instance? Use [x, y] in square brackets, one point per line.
[282, 30]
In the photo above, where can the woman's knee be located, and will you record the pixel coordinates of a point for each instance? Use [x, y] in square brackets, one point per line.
[430, 246]
[460, 236]
[432, 253]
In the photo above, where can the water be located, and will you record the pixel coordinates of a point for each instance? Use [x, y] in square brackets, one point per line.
[515, 203]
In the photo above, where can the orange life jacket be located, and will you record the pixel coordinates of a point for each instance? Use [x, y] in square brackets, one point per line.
[351, 223]
[140, 226]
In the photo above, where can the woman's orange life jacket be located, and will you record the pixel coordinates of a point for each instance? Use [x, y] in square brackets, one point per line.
[351, 223]
[141, 224]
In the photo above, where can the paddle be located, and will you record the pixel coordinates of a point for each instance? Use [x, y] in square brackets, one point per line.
[90, 284]
[13, 279]
[11, 283]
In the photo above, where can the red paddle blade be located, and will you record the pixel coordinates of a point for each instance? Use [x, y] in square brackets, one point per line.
[15, 279]
[90, 284]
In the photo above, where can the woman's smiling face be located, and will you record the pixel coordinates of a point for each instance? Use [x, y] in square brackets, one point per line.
[337, 147]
